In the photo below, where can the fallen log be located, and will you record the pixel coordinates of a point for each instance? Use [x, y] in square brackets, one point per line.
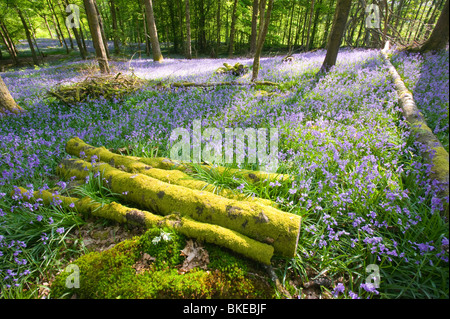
[214, 84]
[250, 176]
[132, 165]
[209, 233]
[262, 223]
[433, 151]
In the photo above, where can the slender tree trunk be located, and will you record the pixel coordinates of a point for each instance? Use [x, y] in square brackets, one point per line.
[315, 24]
[102, 30]
[28, 35]
[254, 34]
[77, 36]
[218, 23]
[439, 37]
[7, 103]
[188, 31]
[58, 35]
[61, 8]
[261, 39]
[114, 26]
[309, 26]
[233, 29]
[55, 18]
[147, 37]
[48, 27]
[96, 35]
[337, 31]
[290, 27]
[173, 28]
[8, 44]
[157, 56]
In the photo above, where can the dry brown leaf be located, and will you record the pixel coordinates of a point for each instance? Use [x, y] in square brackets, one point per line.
[196, 256]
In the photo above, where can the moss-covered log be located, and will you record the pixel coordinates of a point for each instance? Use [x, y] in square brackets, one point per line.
[214, 84]
[434, 153]
[262, 223]
[201, 231]
[250, 176]
[132, 165]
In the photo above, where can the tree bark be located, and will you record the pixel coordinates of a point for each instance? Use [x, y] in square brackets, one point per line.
[132, 165]
[209, 233]
[114, 26]
[232, 30]
[102, 30]
[156, 50]
[48, 27]
[218, 24]
[254, 34]
[439, 37]
[261, 38]
[262, 223]
[337, 31]
[7, 103]
[8, 44]
[56, 22]
[188, 31]
[308, 35]
[83, 53]
[96, 35]
[28, 35]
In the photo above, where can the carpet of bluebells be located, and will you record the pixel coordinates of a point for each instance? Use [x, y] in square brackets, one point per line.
[360, 184]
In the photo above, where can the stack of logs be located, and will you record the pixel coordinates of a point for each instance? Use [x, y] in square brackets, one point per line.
[169, 197]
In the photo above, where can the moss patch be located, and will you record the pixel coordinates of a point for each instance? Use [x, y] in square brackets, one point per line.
[148, 267]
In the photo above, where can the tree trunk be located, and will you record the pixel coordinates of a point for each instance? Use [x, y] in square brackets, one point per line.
[7, 103]
[261, 39]
[56, 22]
[61, 8]
[254, 34]
[8, 44]
[233, 29]
[114, 26]
[96, 35]
[156, 50]
[28, 34]
[218, 23]
[290, 27]
[102, 30]
[188, 31]
[337, 31]
[308, 35]
[77, 36]
[48, 27]
[439, 37]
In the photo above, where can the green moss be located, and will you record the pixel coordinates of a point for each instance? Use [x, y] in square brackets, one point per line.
[164, 245]
[113, 273]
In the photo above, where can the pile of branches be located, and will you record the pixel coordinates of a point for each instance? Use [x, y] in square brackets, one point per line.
[95, 87]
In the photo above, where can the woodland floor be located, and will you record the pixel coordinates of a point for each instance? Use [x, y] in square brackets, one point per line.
[361, 187]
